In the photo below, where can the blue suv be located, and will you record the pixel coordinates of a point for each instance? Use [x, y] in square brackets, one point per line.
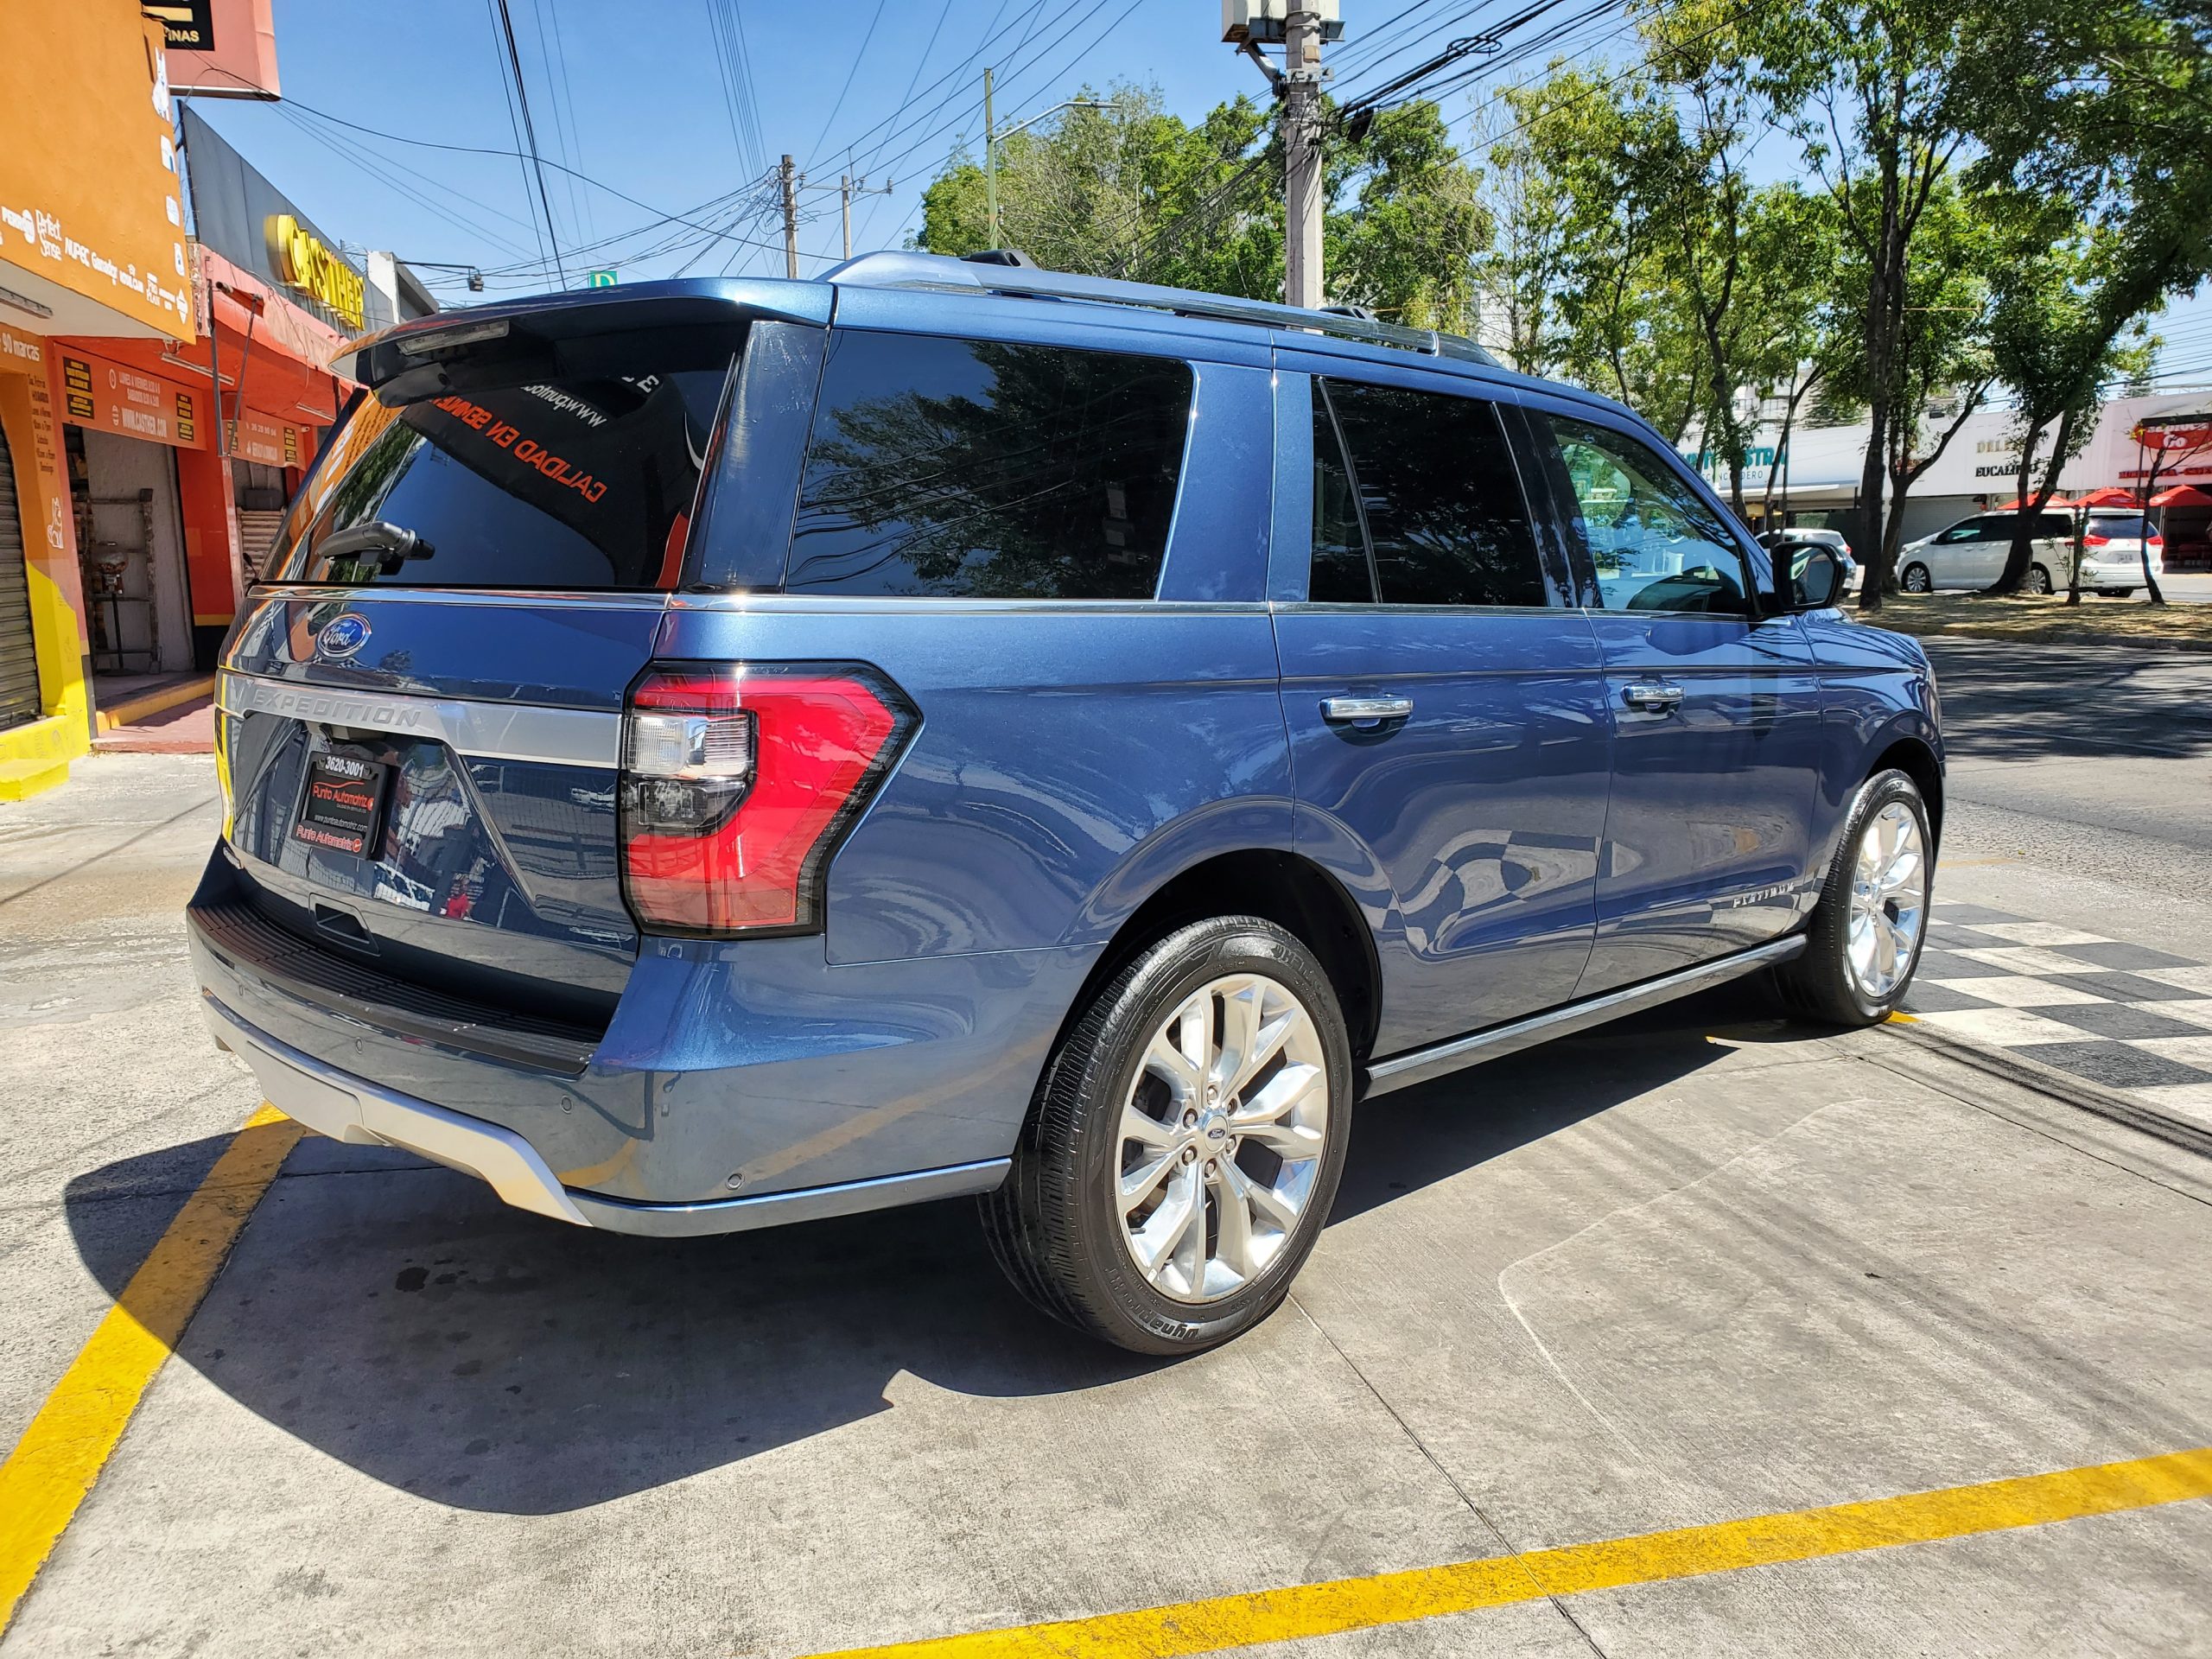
[709, 754]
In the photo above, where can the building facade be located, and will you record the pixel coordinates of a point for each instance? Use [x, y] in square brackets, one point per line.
[167, 319]
[93, 247]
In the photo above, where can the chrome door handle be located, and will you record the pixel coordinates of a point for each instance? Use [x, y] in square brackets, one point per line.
[1365, 711]
[1656, 696]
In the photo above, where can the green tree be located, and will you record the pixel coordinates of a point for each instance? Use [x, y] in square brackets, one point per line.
[1872, 91]
[2106, 104]
[1132, 191]
[2054, 342]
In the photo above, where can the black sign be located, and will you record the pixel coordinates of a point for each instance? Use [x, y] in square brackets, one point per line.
[187, 25]
[343, 802]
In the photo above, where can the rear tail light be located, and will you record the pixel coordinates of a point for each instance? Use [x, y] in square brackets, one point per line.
[2092, 539]
[738, 783]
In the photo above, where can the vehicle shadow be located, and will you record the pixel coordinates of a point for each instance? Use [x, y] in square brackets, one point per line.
[396, 1317]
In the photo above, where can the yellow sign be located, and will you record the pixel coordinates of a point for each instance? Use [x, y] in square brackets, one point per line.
[307, 265]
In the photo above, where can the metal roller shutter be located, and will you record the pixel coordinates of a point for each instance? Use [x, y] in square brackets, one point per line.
[256, 531]
[19, 694]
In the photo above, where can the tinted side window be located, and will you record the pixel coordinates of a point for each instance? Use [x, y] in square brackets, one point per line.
[2055, 525]
[1341, 574]
[950, 468]
[1437, 496]
[1656, 545]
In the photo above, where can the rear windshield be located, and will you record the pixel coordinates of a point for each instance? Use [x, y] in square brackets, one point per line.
[583, 483]
[2118, 526]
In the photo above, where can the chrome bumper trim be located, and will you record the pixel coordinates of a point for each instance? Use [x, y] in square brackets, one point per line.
[347, 1108]
[1419, 1065]
[351, 1109]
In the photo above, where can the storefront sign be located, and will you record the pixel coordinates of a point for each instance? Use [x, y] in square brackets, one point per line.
[219, 49]
[112, 397]
[253, 225]
[90, 213]
[303, 262]
[273, 443]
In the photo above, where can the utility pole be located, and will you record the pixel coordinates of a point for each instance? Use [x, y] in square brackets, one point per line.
[1301, 143]
[789, 183]
[990, 167]
[1248, 25]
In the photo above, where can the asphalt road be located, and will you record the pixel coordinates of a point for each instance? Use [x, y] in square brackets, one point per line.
[2081, 785]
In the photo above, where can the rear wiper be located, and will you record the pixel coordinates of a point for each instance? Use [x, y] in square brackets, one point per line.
[391, 545]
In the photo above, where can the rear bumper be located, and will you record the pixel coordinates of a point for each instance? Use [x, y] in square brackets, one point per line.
[737, 1084]
[354, 1109]
[2125, 571]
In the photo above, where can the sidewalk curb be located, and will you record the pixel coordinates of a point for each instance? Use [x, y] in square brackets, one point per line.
[2062, 1087]
[132, 710]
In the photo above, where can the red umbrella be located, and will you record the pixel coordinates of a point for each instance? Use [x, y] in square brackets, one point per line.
[2182, 495]
[2109, 497]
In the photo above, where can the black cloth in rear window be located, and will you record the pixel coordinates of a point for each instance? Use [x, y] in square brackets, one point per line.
[956, 469]
[584, 484]
[1440, 499]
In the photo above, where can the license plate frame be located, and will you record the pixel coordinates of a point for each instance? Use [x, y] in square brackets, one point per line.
[342, 802]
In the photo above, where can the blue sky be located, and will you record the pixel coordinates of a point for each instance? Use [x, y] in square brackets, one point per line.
[632, 92]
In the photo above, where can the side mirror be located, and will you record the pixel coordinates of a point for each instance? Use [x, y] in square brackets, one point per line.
[1816, 576]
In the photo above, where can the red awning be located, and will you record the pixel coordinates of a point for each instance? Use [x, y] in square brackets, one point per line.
[2182, 495]
[2110, 496]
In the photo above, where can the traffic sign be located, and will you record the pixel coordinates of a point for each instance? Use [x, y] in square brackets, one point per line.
[601, 279]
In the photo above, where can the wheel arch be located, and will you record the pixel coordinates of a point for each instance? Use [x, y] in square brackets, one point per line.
[1276, 885]
[1911, 755]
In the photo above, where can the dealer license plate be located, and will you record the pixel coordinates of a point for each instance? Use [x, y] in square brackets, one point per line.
[343, 807]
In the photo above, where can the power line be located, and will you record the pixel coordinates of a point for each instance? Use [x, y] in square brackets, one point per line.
[868, 39]
[530, 127]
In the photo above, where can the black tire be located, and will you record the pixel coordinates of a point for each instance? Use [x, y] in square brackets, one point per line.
[1053, 1225]
[2038, 581]
[1819, 984]
[1915, 579]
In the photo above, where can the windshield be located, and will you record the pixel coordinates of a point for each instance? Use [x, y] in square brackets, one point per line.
[2119, 527]
[581, 484]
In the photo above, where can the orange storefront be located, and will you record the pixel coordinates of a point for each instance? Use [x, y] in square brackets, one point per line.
[92, 249]
[237, 457]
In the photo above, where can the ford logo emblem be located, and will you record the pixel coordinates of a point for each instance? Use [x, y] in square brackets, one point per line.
[342, 636]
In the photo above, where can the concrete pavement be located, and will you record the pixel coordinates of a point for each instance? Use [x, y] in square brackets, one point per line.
[1708, 1266]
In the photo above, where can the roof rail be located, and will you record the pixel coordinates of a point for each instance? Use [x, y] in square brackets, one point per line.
[945, 274]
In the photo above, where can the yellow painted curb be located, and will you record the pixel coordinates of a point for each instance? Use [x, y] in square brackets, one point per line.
[53, 1468]
[1303, 1612]
[131, 711]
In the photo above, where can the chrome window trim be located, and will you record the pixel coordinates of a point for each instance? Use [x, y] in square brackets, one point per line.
[481, 731]
[625, 599]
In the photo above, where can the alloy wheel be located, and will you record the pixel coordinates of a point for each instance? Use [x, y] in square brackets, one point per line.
[1221, 1138]
[1888, 901]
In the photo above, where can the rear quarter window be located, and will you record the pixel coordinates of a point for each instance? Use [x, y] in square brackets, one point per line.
[941, 468]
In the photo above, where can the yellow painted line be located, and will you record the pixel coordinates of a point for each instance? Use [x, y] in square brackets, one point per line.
[61, 1455]
[131, 710]
[1901, 1018]
[1305, 1610]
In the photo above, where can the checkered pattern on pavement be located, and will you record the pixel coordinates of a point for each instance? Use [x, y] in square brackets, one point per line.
[2122, 1015]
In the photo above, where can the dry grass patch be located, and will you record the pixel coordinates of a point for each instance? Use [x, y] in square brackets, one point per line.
[2048, 621]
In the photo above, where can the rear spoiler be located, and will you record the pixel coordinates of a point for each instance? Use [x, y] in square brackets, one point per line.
[522, 328]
